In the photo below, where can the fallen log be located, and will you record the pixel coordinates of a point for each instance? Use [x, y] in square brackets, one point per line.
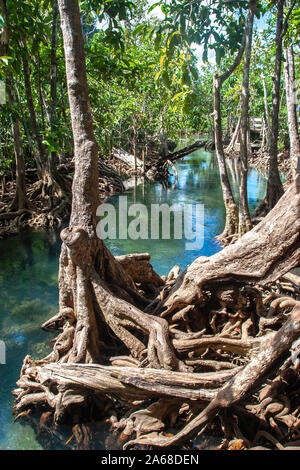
[127, 158]
[186, 150]
[133, 182]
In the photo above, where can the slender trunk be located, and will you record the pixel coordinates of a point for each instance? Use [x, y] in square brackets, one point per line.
[289, 71]
[41, 155]
[244, 214]
[26, 130]
[20, 200]
[274, 187]
[41, 93]
[263, 138]
[85, 182]
[228, 127]
[267, 113]
[68, 141]
[55, 180]
[235, 135]
[231, 225]
[53, 92]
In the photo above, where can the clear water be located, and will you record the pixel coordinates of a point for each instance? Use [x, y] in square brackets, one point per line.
[29, 265]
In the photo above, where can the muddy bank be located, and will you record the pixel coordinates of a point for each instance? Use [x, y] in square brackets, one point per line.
[121, 172]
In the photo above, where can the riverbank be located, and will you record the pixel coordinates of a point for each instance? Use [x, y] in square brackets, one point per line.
[117, 174]
[260, 161]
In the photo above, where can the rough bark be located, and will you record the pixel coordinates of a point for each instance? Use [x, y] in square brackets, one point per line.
[244, 214]
[274, 186]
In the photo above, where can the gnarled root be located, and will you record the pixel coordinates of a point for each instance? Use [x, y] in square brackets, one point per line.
[201, 340]
[271, 349]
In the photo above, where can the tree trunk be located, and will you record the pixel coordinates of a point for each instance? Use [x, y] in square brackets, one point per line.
[41, 100]
[228, 127]
[41, 160]
[244, 214]
[231, 225]
[290, 85]
[234, 138]
[173, 156]
[56, 184]
[274, 187]
[232, 218]
[267, 114]
[20, 200]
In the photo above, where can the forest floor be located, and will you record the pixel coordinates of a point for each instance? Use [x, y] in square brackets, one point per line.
[42, 214]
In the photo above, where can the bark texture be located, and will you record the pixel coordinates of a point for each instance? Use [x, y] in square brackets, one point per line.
[244, 214]
[274, 187]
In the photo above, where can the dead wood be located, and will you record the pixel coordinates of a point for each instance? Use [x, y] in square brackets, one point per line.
[275, 237]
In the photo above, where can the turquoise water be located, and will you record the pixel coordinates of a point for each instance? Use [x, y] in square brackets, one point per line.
[29, 265]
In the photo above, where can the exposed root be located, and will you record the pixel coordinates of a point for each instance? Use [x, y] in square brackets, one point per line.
[175, 351]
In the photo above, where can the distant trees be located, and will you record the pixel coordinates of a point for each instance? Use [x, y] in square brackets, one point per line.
[146, 83]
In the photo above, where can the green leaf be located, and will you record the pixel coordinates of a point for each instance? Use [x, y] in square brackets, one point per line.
[157, 4]
[166, 79]
[157, 41]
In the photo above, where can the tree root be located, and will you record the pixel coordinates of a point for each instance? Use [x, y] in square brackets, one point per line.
[165, 348]
[270, 350]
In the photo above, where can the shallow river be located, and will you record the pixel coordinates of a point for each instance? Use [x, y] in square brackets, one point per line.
[29, 265]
